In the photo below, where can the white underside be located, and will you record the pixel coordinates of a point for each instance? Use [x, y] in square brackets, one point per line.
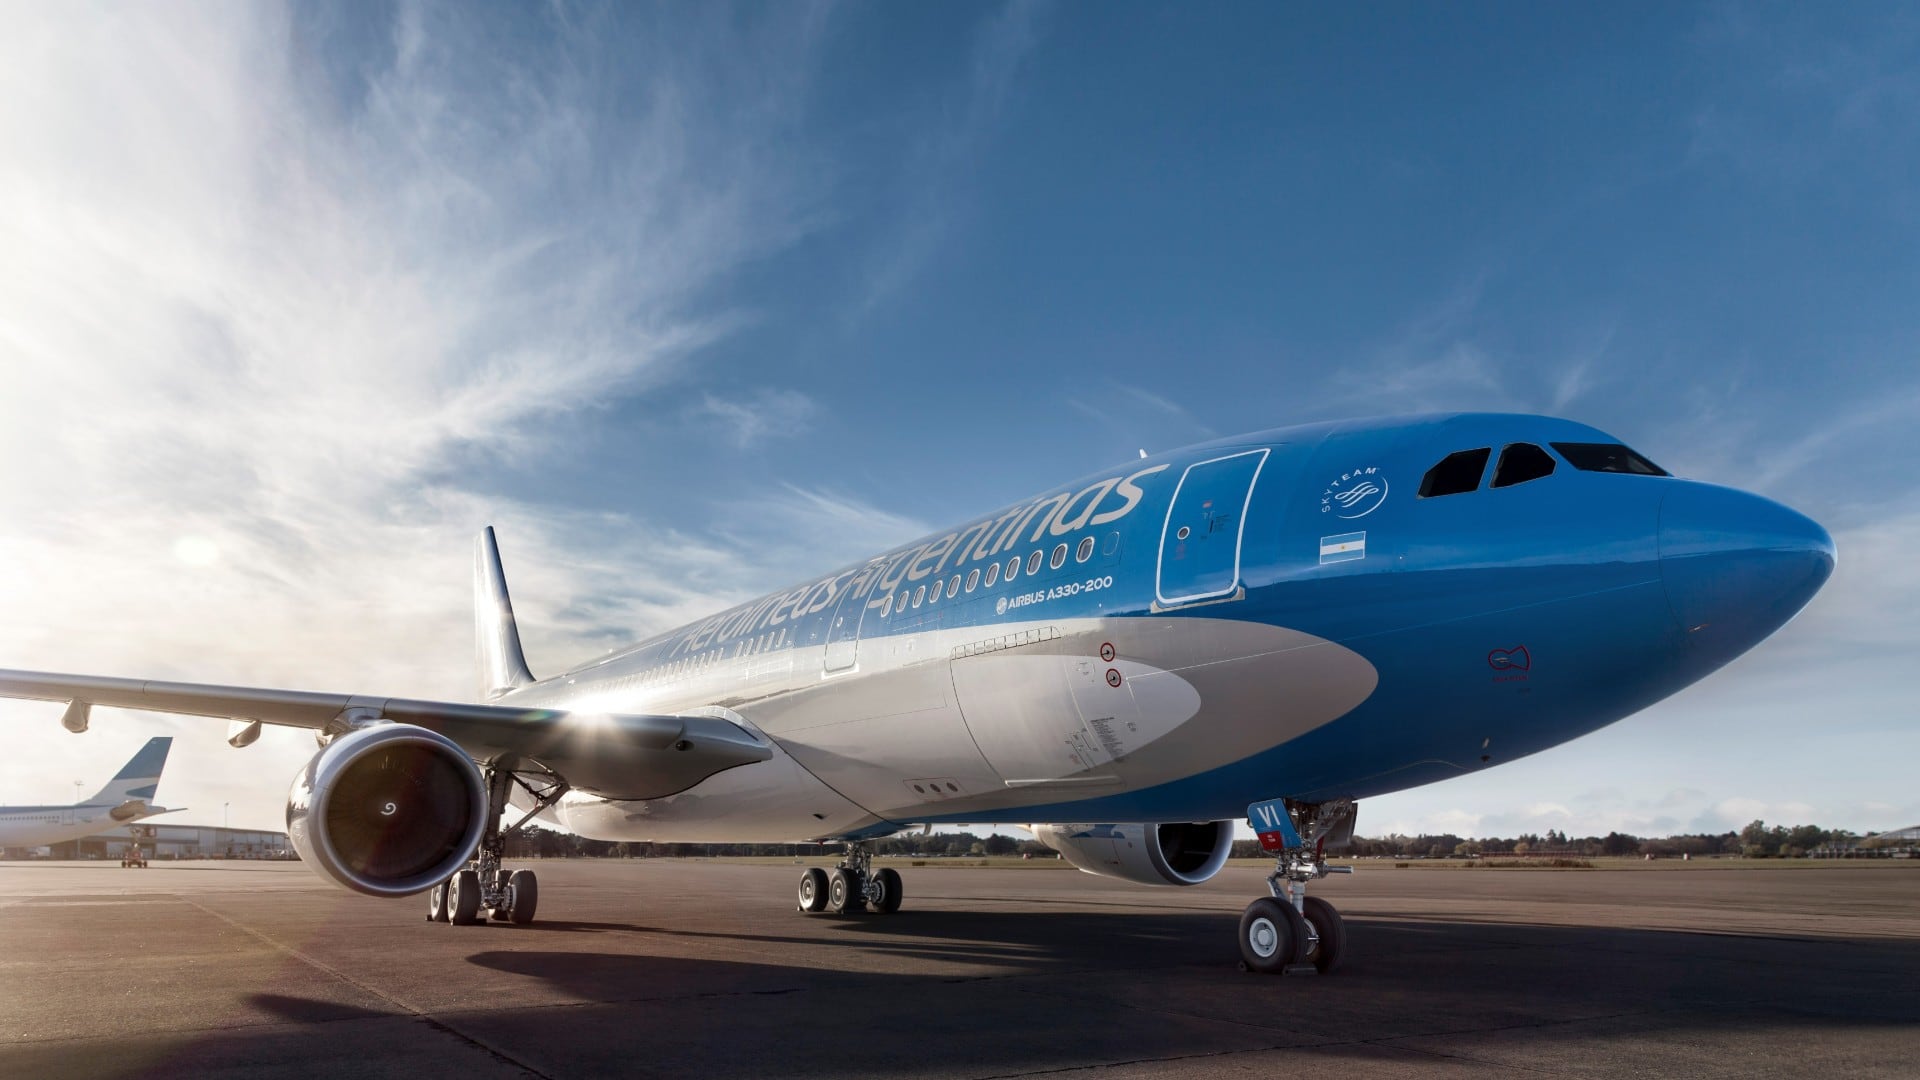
[982, 721]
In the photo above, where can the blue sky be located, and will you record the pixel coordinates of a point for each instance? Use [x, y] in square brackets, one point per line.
[691, 301]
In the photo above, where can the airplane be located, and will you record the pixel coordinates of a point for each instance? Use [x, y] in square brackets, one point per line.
[1268, 627]
[122, 802]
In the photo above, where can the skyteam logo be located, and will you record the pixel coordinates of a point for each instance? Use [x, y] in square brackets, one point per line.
[1355, 494]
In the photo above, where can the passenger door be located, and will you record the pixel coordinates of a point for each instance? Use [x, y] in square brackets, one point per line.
[1206, 521]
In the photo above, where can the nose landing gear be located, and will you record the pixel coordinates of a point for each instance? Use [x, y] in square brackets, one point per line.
[853, 886]
[1290, 932]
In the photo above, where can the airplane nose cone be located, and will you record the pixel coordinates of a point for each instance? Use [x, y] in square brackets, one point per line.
[1737, 566]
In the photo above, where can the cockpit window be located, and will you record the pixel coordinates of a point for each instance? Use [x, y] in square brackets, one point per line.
[1521, 462]
[1607, 457]
[1457, 473]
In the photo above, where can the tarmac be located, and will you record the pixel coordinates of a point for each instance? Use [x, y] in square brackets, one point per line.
[677, 968]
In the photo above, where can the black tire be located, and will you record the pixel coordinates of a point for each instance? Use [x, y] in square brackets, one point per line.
[890, 891]
[1331, 931]
[463, 898]
[843, 893]
[813, 890]
[437, 903]
[504, 911]
[1270, 935]
[523, 892]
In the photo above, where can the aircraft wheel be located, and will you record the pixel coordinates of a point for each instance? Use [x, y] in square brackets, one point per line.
[523, 897]
[463, 898]
[890, 893]
[505, 906]
[1270, 934]
[843, 893]
[1325, 953]
[813, 890]
[437, 903]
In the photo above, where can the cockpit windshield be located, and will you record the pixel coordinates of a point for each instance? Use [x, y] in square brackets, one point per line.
[1607, 457]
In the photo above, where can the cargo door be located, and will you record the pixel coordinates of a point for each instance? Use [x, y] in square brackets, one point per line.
[1200, 542]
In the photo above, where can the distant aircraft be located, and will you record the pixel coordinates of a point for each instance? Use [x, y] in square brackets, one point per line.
[1265, 627]
[122, 802]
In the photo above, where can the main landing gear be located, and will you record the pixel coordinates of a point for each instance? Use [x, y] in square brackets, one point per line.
[852, 887]
[1290, 932]
[483, 890]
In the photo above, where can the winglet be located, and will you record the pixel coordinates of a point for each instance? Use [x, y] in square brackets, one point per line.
[502, 665]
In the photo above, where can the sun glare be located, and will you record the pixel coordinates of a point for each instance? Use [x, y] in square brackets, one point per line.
[196, 551]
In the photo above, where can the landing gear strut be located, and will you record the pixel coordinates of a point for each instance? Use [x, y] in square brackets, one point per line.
[852, 887]
[1290, 932]
[483, 890]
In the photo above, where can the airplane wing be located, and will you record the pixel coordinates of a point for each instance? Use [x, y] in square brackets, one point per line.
[620, 756]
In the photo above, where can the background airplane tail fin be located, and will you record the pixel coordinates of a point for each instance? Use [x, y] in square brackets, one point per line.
[138, 778]
[497, 637]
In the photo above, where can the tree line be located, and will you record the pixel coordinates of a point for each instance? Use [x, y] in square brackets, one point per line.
[1757, 840]
[547, 843]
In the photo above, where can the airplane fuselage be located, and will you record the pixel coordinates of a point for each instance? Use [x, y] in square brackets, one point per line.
[1280, 614]
[35, 826]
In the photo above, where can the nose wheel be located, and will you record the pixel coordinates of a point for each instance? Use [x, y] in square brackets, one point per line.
[852, 887]
[1289, 932]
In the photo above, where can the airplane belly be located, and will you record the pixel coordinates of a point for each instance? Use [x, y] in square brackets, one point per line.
[766, 802]
[1092, 707]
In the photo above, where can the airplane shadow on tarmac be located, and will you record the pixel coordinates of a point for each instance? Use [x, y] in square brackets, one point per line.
[1024, 990]
[1401, 977]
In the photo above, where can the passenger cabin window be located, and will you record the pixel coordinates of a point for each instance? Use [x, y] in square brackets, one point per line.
[1521, 462]
[973, 579]
[1013, 568]
[1456, 474]
[953, 586]
[1607, 457]
[1059, 557]
[1033, 562]
[993, 574]
[1084, 551]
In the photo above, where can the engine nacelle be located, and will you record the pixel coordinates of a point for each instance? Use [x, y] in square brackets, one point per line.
[1177, 853]
[388, 810]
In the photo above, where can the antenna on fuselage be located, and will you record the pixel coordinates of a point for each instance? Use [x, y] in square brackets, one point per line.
[1143, 453]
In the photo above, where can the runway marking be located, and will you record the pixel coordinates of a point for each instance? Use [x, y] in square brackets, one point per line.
[423, 1017]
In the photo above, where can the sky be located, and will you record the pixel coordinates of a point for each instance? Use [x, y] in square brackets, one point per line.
[692, 301]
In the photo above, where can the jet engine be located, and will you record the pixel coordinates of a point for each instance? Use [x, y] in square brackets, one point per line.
[1177, 853]
[387, 810]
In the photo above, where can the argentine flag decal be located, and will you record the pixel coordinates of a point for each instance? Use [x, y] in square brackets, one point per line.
[1343, 548]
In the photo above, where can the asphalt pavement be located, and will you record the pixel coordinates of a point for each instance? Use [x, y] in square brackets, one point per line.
[704, 969]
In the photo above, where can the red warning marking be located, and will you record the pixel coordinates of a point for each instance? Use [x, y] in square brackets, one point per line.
[1106, 652]
[1113, 677]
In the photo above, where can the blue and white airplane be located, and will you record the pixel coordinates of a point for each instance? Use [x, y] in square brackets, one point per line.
[125, 800]
[1266, 627]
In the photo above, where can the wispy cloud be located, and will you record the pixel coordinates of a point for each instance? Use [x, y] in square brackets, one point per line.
[946, 150]
[1142, 418]
[260, 317]
[756, 416]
